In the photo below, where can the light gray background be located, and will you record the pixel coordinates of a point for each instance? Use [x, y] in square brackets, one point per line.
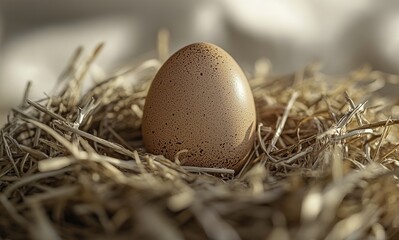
[38, 37]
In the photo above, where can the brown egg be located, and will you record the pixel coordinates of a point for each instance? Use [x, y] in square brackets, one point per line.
[200, 100]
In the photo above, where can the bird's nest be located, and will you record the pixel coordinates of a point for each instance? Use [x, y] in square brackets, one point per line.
[323, 166]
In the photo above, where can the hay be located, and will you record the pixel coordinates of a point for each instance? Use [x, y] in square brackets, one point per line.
[324, 164]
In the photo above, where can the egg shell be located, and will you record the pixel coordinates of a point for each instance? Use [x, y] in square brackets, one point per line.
[200, 100]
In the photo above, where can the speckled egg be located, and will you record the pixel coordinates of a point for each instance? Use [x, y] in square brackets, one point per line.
[200, 100]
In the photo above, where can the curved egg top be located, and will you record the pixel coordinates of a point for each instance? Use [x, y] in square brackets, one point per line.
[200, 100]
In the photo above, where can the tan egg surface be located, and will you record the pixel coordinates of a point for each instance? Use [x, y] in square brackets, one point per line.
[200, 100]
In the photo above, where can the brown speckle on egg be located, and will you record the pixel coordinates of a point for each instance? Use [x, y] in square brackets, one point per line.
[200, 100]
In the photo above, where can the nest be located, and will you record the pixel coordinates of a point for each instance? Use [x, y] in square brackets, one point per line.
[323, 166]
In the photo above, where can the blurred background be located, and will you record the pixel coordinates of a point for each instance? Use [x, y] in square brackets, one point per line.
[38, 38]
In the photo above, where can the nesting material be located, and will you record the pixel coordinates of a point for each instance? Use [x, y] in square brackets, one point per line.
[323, 165]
